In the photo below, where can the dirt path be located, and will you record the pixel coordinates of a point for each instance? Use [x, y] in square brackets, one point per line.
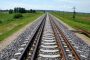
[83, 37]
[8, 40]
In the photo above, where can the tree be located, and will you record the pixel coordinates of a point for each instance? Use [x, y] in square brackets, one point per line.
[31, 11]
[44, 11]
[19, 10]
[10, 11]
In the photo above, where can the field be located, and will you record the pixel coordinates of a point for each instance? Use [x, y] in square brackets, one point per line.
[81, 21]
[9, 25]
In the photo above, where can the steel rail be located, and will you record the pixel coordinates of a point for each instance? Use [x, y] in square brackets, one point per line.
[75, 54]
[58, 39]
[37, 36]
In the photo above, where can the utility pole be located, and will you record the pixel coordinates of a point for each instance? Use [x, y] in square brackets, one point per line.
[63, 14]
[74, 13]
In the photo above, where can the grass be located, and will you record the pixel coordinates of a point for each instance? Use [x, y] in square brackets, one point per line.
[82, 20]
[9, 25]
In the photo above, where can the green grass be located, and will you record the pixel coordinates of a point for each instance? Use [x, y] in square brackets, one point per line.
[82, 19]
[9, 25]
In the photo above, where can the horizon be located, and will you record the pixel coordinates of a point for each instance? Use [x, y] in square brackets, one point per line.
[58, 5]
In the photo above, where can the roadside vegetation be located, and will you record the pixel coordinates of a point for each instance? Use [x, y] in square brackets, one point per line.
[82, 20]
[11, 22]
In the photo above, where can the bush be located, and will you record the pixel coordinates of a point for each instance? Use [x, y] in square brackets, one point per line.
[1, 21]
[18, 15]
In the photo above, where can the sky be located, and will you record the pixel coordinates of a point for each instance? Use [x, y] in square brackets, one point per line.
[61, 5]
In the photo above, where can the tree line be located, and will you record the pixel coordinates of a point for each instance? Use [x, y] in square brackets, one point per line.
[21, 10]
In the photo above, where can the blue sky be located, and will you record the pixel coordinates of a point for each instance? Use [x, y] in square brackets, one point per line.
[63, 5]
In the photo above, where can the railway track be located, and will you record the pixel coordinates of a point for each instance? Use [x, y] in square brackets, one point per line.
[49, 42]
[48, 49]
